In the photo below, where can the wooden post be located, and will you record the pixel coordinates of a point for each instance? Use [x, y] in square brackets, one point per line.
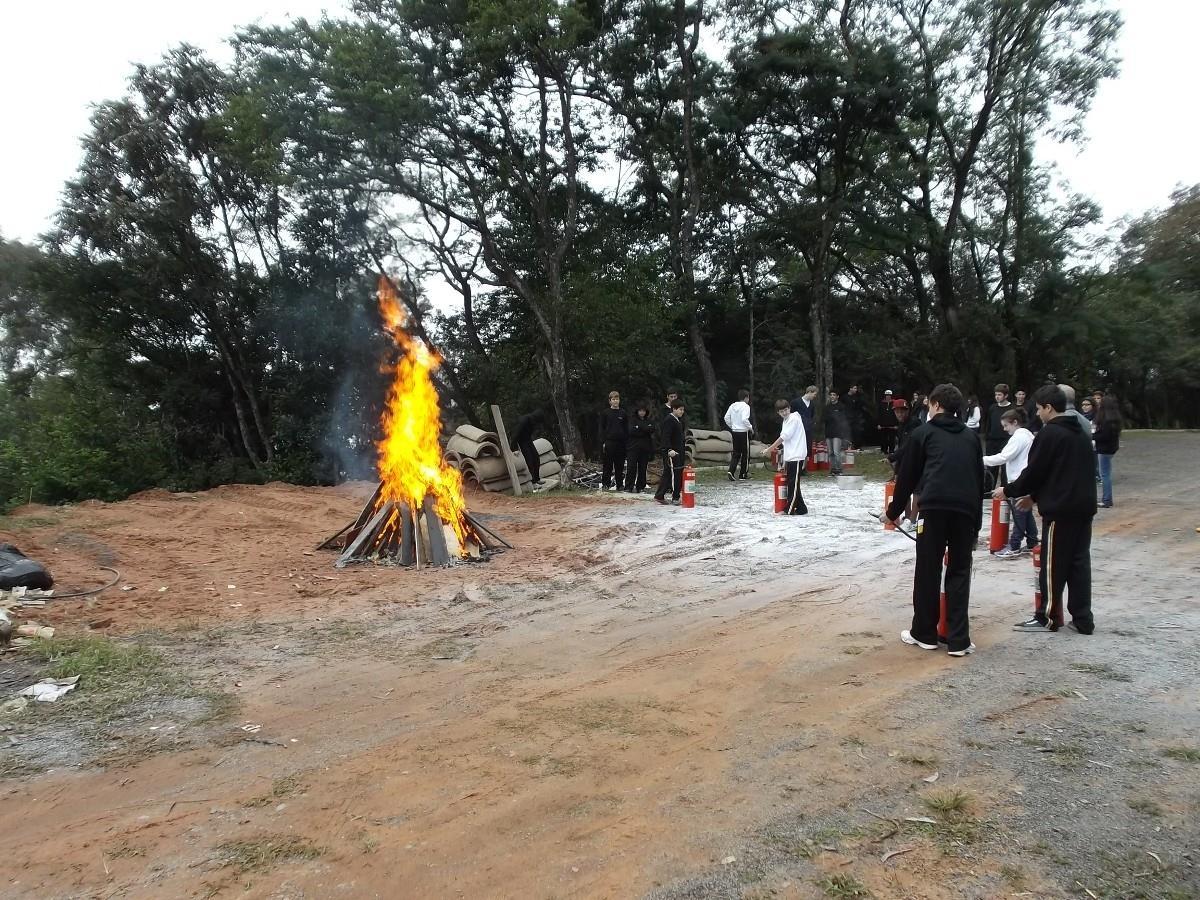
[408, 550]
[439, 553]
[509, 458]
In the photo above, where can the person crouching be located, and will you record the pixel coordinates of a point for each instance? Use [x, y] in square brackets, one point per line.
[945, 458]
[795, 449]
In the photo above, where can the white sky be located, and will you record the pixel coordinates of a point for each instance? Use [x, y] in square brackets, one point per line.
[58, 58]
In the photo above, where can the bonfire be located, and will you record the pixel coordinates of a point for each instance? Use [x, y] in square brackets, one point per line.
[417, 515]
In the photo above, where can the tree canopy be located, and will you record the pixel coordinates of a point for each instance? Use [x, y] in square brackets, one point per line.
[575, 196]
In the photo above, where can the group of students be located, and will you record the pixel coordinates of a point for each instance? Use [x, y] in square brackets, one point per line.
[943, 464]
[1098, 414]
[628, 443]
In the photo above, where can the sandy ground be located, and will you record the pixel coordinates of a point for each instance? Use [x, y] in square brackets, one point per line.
[635, 701]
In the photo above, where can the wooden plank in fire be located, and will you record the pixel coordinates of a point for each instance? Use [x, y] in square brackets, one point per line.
[484, 530]
[407, 537]
[370, 505]
[354, 527]
[366, 537]
[439, 554]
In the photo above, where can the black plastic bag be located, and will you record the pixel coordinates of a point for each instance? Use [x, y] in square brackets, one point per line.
[18, 570]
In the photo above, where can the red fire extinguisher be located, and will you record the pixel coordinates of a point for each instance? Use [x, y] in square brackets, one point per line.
[781, 497]
[889, 491]
[688, 499]
[998, 536]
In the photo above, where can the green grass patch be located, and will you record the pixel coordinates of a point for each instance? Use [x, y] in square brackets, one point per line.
[280, 788]
[1183, 754]
[843, 885]
[1100, 670]
[266, 852]
[924, 760]
[1145, 805]
[122, 686]
[948, 802]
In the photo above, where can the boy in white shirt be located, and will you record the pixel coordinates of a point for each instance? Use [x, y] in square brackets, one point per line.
[737, 420]
[795, 449]
[1014, 457]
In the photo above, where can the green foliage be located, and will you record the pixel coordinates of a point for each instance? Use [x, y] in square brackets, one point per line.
[852, 195]
[74, 439]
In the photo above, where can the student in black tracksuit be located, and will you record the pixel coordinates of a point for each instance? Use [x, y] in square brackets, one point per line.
[994, 436]
[945, 459]
[671, 432]
[614, 437]
[804, 405]
[522, 439]
[641, 447]
[1059, 477]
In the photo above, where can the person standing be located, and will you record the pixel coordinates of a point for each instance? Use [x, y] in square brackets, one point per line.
[795, 448]
[673, 455]
[641, 447]
[1014, 457]
[994, 436]
[888, 425]
[837, 431]
[737, 420]
[945, 459]
[804, 405]
[973, 415]
[1108, 441]
[522, 439]
[614, 435]
[906, 425]
[860, 419]
[1058, 478]
[1025, 402]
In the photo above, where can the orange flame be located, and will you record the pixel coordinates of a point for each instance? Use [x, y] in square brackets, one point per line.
[410, 462]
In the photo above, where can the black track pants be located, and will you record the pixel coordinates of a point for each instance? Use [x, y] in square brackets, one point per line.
[741, 452]
[940, 532]
[795, 506]
[1067, 565]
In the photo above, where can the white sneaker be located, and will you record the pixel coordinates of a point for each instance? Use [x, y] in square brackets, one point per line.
[967, 652]
[1007, 553]
[909, 639]
[613, 488]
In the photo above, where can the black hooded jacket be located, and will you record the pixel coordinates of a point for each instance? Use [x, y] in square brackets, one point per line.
[1061, 474]
[943, 456]
[641, 433]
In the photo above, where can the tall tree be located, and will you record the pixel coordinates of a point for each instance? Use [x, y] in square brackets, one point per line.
[166, 226]
[471, 110]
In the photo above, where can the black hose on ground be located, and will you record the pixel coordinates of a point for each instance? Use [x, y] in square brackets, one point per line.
[104, 587]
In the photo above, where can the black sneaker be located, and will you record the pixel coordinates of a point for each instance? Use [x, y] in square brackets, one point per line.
[1033, 623]
[1081, 629]
[744, 477]
[730, 474]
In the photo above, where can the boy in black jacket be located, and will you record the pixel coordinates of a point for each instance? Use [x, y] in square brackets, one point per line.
[673, 455]
[1060, 479]
[641, 447]
[945, 458]
[614, 433]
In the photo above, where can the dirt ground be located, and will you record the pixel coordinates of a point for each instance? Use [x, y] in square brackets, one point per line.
[636, 701]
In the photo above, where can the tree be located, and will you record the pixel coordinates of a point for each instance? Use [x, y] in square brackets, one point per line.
[471, 111]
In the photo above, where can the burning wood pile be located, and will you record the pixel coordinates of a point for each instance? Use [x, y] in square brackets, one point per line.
[417, 516]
